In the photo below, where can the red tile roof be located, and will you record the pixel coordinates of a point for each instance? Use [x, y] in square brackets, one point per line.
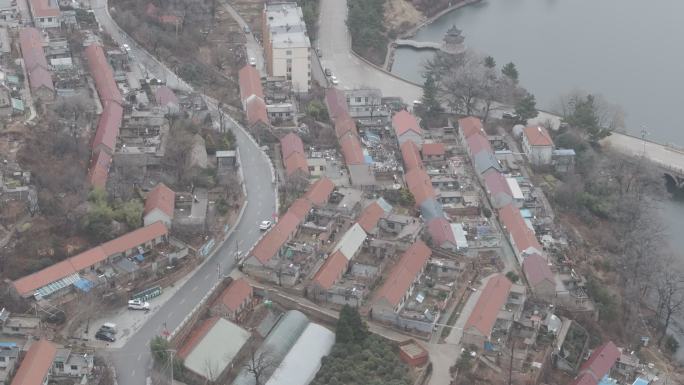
[477, 143]
[495, 183]
[164, 96]
[470, 125]
[319, 192]
[404, 273]
[419, 185]
[36, 365]
[102, 75]
[99, 169]
[31, 43]
[440, 231]
[162, 198]
[290, 144]
[370, 216]
[537, 136]
[26, 285]
[44, 8]
[598, 365]
[433, 149]
[523, 236]
[403, 122]
[333, 268]
[269, 245]
[536, 269]
[108, 127]
[345, 124]
[196, 337]
[351, 149]
[235, 294]
[256, 111]
[250, 83]
[336, 102]
[296, 163]
[300, 208]
[491, 301]
[411, 156]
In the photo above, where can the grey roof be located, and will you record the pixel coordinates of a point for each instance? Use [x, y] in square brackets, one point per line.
[301, 364]
[431, 209]
[564, 152]
[216, 349]
[277, 344]
[484, 160]
[351, 241]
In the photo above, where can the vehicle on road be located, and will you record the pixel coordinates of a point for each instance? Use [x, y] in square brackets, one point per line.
[265, 225]
[136, 304]
[252, 61]
[334, 80]
[105, 336]
[108, 327]
[510, 116]
[125, 48]
[318, 52]
[328, 72]
[246, 29]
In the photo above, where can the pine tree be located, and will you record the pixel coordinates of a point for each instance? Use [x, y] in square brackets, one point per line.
[430, 105]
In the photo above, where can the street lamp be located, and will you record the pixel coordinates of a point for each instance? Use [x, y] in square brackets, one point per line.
[644, 133]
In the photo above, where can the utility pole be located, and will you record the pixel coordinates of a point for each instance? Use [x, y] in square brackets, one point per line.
[644, 133]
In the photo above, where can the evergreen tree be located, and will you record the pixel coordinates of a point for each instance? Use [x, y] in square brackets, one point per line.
[510, 72]
[489, 62]
[584, 115]
[430, 105]
[526, 108]
[350, 326]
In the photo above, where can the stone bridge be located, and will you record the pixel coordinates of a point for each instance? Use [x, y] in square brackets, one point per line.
[668, 157]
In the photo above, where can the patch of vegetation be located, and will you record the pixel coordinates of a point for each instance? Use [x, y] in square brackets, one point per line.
[359, 357]
[366, 26]
[97, 223]
[605, 301]
[310, 10]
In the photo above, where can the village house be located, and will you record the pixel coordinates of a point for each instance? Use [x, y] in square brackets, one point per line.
[365, 103]
[71, 364]
[9, 357]
[18, 325]
[539, 276]
[537, 145]
[234, 301]
[599, 365]
[406, 127]
[521, 236]
[397, 289]
[498, 305]
[159, 205]
[433, 152]
[45, 13]
[35, 64]
[35, 367]
[293, 156]
[60, 277]
[252, 96]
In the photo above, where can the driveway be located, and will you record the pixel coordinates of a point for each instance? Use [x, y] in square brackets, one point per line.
[352, 72]
[132, 361]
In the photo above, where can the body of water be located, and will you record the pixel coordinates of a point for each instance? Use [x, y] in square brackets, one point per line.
[629, 51]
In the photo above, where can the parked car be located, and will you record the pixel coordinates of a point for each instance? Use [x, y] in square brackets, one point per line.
[334, 80]
[105, 336]
[510, 116]
[265, 225]
[246, 29]
[108, 327]
[126, 48]
[318, 52]
[252, 61]
[136, 304]
[328, 72]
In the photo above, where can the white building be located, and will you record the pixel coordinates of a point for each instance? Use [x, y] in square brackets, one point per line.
[537, 145]
[45, 13]
[286, 44]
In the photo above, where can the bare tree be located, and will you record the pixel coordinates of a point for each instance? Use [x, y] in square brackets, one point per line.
[670, 294]
[260, 365]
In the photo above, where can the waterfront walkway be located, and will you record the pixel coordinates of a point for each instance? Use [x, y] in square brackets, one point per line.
[667, 157]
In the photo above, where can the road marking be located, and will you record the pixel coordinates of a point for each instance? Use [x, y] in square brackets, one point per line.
[139, 356]
[194, 288]
[182, 301]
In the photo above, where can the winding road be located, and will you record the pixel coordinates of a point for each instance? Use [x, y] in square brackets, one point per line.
[132, 362]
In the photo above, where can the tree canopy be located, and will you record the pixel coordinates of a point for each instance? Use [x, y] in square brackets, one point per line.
[366, 26]
[526, 108]
[430, 105]
[510, 71]
[584, 114]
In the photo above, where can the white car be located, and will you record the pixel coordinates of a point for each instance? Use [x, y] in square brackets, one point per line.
[265, 225]
[126, 48]
[334, 80]
[252, 61]
[136, 304]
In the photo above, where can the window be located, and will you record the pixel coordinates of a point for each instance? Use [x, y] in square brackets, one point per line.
[2, 359]
[311, 168]
[358, 99]
[289, 62]
[288, 53]
[59, 365]
[49, 19]
[365, 100]
[15, 328]
[74, 367]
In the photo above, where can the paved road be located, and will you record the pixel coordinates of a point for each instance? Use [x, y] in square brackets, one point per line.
[254, 49]
[352, 72]
[132, 361]
[664, 156]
